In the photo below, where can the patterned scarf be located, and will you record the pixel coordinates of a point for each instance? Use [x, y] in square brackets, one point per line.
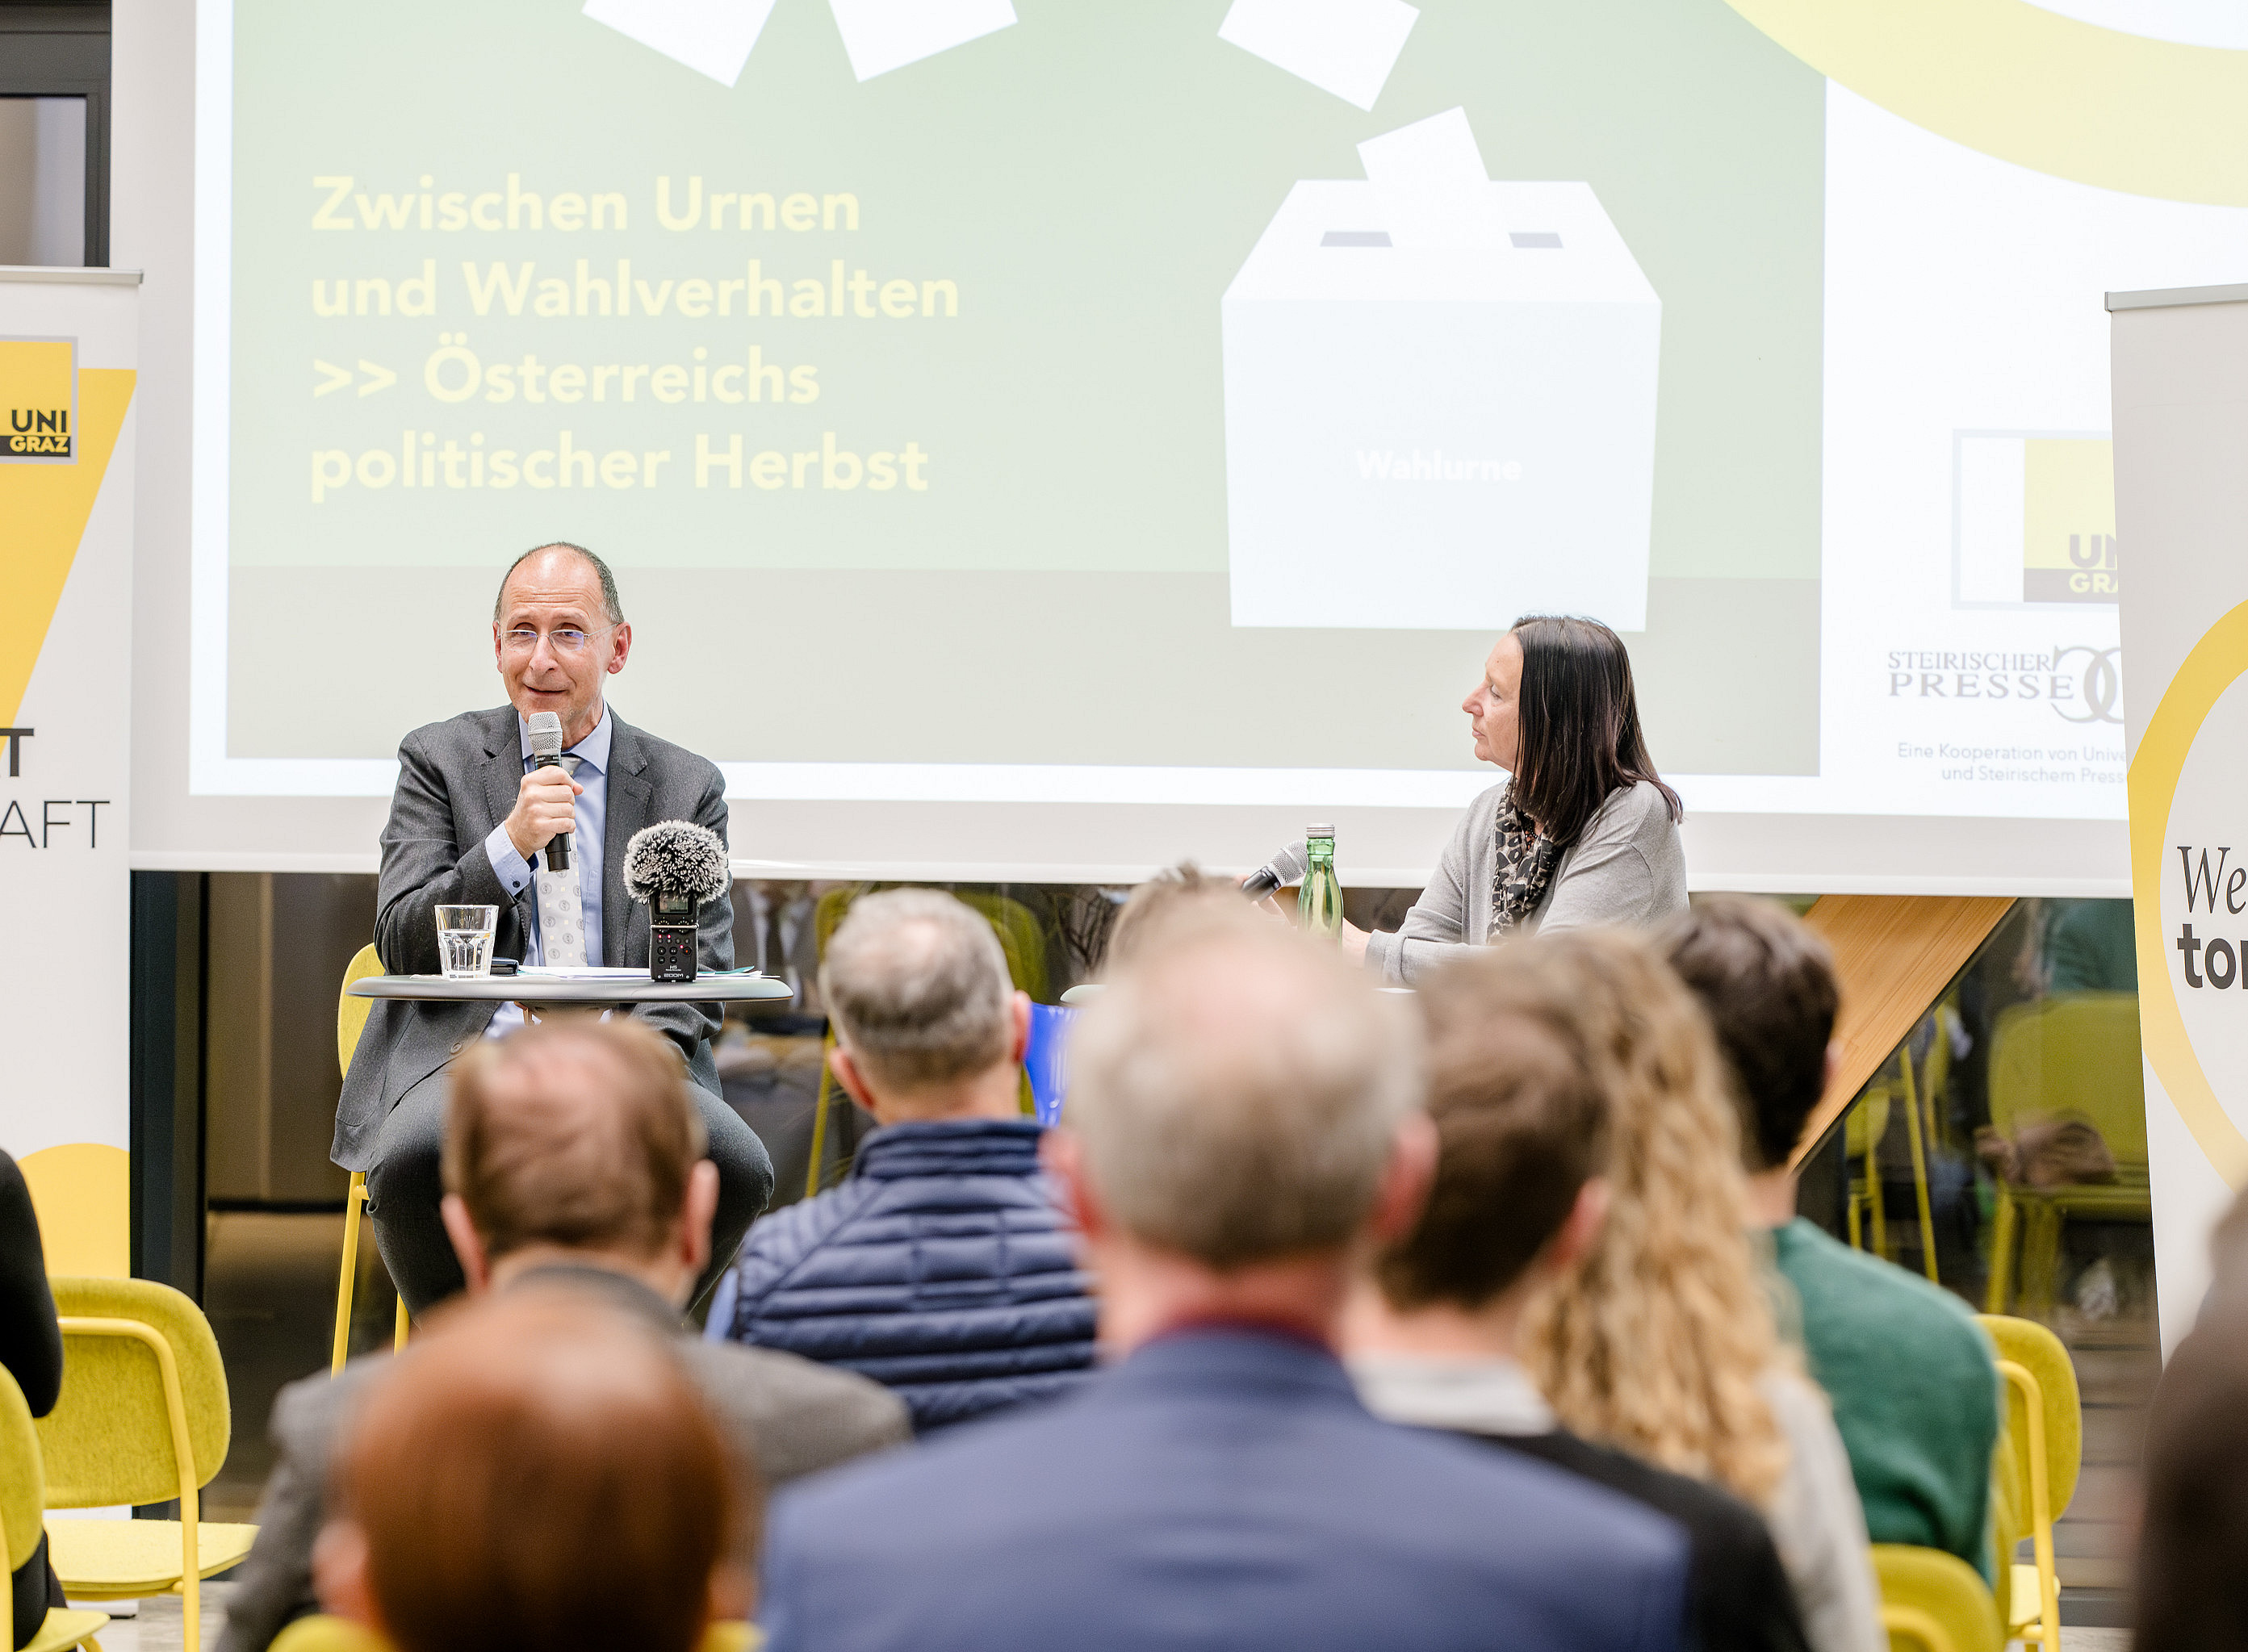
[1522, 870]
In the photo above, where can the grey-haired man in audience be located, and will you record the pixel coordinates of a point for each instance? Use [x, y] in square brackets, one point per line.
[1243, 1117]
[941, 1267]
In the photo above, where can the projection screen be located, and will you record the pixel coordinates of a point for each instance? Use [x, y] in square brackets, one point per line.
[1046, 439]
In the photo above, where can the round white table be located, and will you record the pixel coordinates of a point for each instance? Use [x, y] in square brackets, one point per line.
[552, 992]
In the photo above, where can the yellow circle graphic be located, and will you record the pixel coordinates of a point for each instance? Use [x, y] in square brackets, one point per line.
[2215, 663]
[2029, 85]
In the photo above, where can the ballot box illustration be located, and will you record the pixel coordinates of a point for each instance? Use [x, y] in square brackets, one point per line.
[1439, 437]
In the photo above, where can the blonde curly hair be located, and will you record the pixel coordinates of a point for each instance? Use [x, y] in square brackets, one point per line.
[1659, 1339]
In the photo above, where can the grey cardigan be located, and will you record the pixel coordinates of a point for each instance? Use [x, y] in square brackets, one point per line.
[1626, 866]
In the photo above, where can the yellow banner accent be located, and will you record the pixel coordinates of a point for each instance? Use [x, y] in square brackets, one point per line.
[2029, 85]
[82, 1192]
[2212, 668]
[43, 515]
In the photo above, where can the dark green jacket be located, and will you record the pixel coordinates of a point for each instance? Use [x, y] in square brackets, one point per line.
[1915, 1387]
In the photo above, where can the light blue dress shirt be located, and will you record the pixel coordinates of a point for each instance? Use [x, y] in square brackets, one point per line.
[515, 874]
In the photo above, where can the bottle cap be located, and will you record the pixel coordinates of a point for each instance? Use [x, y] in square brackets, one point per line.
[1318, 832]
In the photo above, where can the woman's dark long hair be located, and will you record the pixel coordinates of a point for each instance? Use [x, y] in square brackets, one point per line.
[1579, 725]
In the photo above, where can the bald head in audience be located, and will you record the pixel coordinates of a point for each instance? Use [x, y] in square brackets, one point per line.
[575, 1142]
[535, 1471]
[928, 1023]
[1181, 894]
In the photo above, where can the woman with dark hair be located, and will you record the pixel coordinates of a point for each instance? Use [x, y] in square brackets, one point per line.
[1584, 833]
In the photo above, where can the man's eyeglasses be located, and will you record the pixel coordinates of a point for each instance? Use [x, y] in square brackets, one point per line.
[564, 640]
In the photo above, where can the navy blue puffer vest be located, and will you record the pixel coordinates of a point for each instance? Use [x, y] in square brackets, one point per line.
[940, 1269]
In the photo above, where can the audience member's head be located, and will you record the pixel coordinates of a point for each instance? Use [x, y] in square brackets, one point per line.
[1174, 894]
[1243, 1106]
[1766, 982]
[1522, 1132]
[1657, 1340]
[575, 1139]
[2193, 1535]
[927, 1023]
[535, 1470]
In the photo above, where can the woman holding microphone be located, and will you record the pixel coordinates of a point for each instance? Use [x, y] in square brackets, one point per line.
[1583, 833]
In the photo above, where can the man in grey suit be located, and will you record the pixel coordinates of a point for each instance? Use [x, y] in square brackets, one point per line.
[467, 824]
[572, 1162]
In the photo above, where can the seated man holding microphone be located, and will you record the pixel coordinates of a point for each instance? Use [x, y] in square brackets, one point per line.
[471, 815]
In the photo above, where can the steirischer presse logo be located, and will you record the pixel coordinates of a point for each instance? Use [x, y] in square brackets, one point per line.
[2077, 682]
[38, 401]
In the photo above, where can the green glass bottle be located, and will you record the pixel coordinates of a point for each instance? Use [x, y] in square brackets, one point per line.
[1318, 904]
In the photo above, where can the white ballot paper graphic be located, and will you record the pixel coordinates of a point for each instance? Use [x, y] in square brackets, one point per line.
[711, 37]
[882, 35]
[1443, 419]
[1347, 47]
[1429, 184]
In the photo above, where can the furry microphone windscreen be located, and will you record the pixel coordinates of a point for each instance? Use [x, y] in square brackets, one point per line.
[676, 857]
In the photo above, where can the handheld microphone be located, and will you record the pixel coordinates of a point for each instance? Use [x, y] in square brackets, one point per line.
[1283, 868]
[676, 866]
[547, 751]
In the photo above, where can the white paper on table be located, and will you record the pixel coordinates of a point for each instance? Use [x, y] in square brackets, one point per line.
[883, 35]
[1347, 47]
[711, 37]
[1429, 180]
[579, 972]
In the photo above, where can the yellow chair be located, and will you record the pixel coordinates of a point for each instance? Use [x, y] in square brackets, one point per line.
[1932, 1602]
[1863, 1130]
[1920, 1115]
[351, 1021]
[2041, 1451]
[322, 1633]
[143, 1419]
[1918, 1088]
[23, 1495]
[2080, 1055]
[1021, 941]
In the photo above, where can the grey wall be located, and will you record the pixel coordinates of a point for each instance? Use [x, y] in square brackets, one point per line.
[278, 945]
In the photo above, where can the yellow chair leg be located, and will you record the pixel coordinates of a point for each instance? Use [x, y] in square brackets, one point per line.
[353, 1200]
[1919, 1168]
[1856, 1242]
[191, 1583]
[2047, 1632]
[820, 1119]
[2002, 1254]
[2040, 1259]
[1875, 1202]
[398, 1337]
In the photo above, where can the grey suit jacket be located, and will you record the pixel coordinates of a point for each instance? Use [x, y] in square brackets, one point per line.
[786, 1416]
[456, 780]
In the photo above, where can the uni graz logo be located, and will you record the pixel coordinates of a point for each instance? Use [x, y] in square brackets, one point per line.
[2081, 684]
[38, 401]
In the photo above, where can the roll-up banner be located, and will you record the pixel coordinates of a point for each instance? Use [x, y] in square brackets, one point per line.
[68, 353]
[2181, 391]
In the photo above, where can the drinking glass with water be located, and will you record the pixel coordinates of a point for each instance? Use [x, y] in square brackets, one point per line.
[464, 941]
